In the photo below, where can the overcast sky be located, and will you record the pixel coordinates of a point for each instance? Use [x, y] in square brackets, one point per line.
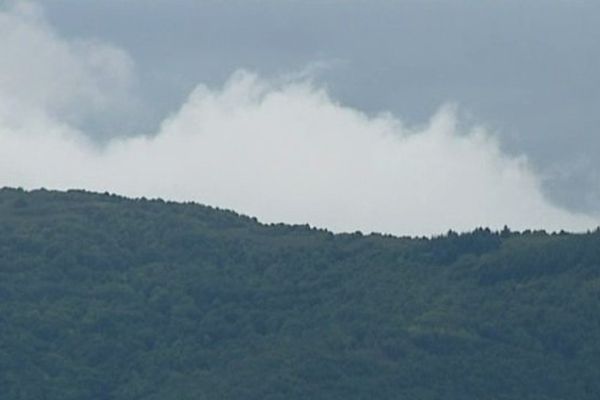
[525, 76]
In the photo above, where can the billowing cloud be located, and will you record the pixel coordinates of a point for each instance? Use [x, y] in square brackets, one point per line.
[284, 152]
[45, 76]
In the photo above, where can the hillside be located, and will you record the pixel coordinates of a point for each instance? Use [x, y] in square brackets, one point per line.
[103, 297]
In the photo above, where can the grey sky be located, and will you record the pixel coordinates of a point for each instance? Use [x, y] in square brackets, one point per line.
[529, 70]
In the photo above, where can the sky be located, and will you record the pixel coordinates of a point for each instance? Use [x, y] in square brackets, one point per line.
[403, 117]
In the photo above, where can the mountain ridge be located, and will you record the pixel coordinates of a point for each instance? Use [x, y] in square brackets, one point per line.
[104, 297]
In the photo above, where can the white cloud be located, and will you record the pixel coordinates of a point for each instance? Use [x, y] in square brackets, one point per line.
[283, 152]
[43, 74]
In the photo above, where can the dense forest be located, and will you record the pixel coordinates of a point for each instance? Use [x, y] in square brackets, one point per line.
[103, 297]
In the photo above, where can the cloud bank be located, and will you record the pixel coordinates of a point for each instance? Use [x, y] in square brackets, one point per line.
[283, 152]
[44, 76]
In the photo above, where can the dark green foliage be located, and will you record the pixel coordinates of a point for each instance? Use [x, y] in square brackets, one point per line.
[107, 298]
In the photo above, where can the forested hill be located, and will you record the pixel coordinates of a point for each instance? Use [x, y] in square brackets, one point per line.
[103, 297]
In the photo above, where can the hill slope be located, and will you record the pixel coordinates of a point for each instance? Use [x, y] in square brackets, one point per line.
[103, 297]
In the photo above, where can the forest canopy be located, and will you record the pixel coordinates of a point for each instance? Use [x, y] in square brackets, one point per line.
[103, 297]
